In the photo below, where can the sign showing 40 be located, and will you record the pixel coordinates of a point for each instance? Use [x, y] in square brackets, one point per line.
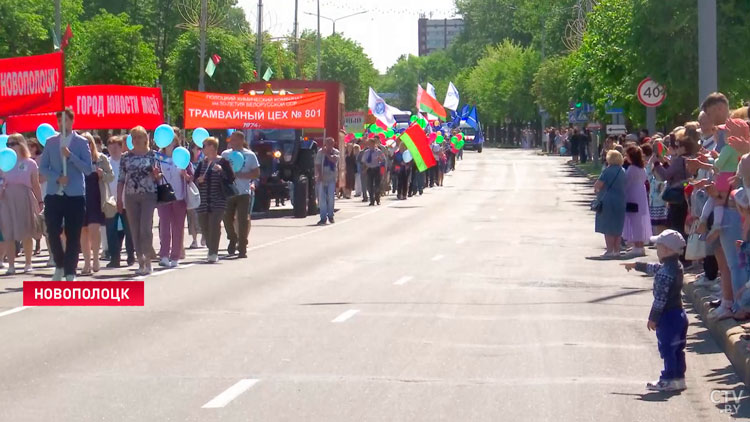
[650, 93]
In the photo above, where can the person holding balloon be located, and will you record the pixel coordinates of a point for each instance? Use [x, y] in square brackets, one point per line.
[177, 170]
[20, 200]
[214, 175]
[66, 161]
[136, 191]
[246, 169]
[97, 193]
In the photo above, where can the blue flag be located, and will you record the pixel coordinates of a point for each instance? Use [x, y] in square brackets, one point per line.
[472, 119]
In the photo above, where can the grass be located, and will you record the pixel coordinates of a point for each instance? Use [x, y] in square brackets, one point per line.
[591, 169]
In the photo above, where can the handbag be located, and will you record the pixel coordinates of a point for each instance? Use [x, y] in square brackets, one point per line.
[675, 195]
[631, 207]
[696, 247]
[164, 192]
[598, 204]
[192, 193]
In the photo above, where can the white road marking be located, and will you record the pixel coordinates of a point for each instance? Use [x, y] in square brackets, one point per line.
[230, 394]
[346, 315]
[437, 257]
[403, 280]
[461, 240]
[494, 217]
[167, 271]
[14, 310]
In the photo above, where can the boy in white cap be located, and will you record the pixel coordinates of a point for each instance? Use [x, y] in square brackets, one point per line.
[667, 316]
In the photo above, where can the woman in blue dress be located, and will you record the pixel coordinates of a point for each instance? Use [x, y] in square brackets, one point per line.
[610, 189]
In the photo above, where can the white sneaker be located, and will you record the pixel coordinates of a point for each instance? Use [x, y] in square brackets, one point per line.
[70, 277]
[164, 262]
[212, 259]
[58, 275]
[678, 384]
[666, 385]
[27, 269]
[174, 264]
[11, 271]
[637, 252]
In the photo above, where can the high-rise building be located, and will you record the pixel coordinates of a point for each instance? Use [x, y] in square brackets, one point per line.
[437, 34]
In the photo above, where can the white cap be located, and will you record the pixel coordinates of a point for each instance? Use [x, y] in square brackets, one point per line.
[671, 239]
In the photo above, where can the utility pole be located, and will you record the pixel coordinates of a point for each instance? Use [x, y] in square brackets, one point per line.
[58, 20]
[259, 39]
[707, 60]
[318, 39]
[296, 36]
[203, 24]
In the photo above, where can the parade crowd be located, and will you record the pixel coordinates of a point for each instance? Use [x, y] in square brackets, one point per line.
[685, 193]
[84, 196]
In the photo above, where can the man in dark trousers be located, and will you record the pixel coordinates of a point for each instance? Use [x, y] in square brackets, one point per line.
[372, 160]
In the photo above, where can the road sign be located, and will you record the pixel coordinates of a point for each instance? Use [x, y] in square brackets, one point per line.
[615, 110]
[616, 130]
[594, 126]
[577, 116]
[650, 93]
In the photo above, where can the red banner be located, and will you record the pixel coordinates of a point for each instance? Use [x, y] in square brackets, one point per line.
[231, 111]
[83, 293]
[32, 84]
[102, 107]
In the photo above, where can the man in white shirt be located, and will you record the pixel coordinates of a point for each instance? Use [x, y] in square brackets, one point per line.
[326, 176]
[238, 206]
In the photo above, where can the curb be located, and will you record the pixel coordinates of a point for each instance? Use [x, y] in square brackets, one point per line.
[727, 333]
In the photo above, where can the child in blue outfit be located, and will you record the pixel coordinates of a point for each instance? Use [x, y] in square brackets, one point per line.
[667, 316]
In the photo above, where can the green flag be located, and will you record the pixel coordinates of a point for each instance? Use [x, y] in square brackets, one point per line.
[267, 76]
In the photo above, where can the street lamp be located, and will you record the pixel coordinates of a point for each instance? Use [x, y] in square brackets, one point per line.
[333, 21]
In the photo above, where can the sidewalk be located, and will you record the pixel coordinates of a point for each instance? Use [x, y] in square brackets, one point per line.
[727, 333]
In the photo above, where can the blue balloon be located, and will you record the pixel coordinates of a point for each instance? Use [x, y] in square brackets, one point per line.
[8, 159]
[163, 136]
[406, 155]
[237, 160]
[181, 157]
[200, 135]
[129, 142]
[3, 129]
[44, 132]
[3, 141]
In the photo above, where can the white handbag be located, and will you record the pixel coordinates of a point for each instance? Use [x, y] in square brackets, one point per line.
[696, 248]
[192, 196]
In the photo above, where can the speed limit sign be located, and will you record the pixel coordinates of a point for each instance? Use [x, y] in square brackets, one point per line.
[650, 93]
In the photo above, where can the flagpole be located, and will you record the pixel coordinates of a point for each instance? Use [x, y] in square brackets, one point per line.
[259, 39]
[203, 24]
[58, 20]
[318, 39]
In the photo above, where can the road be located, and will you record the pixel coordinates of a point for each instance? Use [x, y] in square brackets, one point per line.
[473, 302]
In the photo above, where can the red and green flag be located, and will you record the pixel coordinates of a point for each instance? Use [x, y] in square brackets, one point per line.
[419, 147]
[430, 105]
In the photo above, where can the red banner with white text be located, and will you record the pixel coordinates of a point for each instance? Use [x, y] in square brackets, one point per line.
[32, 84]
[231, 111]
[102, 107]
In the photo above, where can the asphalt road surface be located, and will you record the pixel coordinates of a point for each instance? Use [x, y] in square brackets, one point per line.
[473, 302]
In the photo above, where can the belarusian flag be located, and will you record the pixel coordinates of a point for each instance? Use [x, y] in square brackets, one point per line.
[431, 105]
[211, 65]
[416, 141]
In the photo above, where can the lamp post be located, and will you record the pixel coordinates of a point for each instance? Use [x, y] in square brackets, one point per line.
[203, 24]
[707, 60]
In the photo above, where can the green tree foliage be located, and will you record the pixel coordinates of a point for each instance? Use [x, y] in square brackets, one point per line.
[111, 50]
[402, 78]
[184, 65]
[550, 86]
[28, 25]
[500, 83]
[344, 60]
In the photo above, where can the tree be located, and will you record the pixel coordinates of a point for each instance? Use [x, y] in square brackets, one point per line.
[402, 78]
[110, 50]
[550, 86]
[499, 83]
[29, 24]
[184, 65]
[345, 61]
